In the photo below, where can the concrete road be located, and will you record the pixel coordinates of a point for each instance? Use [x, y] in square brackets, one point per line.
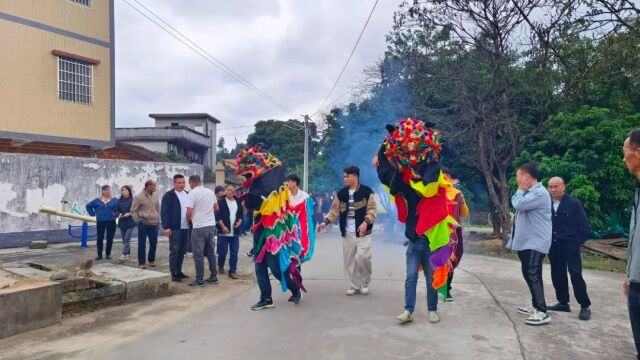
[480, 324]
[216, 322]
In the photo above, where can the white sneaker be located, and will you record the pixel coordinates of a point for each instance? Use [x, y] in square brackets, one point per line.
[189, 255]
[525, 310]
[433, 317]
[122, 258]
[364, 290]
[405, 317]
[538, 318]
[352, 291]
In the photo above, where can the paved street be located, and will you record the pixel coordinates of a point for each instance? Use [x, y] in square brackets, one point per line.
[481, 324]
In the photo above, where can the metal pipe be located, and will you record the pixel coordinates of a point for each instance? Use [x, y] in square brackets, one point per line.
[52, 211]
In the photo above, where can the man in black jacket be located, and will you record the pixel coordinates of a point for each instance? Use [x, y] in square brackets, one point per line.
[229, 219]
[570, 231]
[355, 209]
[173, 215]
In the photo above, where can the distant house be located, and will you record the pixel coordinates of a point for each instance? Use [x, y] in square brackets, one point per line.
[192, 135]
[226, 173]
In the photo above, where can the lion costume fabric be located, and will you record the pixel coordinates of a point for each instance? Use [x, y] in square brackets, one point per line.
[280, 229]
[408, 165]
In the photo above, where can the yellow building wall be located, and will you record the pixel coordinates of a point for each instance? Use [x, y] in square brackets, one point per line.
[29, 83]
[89, 21]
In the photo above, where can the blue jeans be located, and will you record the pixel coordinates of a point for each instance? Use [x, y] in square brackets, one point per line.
[633, 302]
[144, 231]
[262, 275]
[418, 253]
[126, 240]
[228, 244]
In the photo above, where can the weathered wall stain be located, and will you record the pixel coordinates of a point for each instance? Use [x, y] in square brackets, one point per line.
[29, 181]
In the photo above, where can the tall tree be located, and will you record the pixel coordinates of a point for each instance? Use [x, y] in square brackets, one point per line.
[285, 139]
[491, 94]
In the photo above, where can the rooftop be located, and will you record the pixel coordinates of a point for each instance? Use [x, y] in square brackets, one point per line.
[185, 116]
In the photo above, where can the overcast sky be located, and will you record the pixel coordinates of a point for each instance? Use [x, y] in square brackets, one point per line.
[291, 49]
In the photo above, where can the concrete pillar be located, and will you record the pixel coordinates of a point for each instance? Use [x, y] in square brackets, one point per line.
[220, 175]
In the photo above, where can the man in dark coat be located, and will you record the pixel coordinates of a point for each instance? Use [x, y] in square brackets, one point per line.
[173, 215]
[570, 231]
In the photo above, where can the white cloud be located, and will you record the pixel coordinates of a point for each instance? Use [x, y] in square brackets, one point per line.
[292, 50]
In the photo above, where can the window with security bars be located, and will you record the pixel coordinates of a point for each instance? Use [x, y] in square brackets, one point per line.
[75, 80]
[86, 3]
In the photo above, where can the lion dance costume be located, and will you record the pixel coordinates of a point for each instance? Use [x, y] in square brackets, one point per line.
[408, 165]
[281, 230]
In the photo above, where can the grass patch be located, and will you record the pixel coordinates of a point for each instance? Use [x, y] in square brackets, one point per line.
[589, 261]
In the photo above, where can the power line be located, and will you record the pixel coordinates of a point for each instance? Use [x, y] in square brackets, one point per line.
[341, 96]
[350, 56]
[233, 134]
[207, 56]
[236, 127]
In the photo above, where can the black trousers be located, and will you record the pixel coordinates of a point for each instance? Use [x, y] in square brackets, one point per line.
[110, 228]
[565, 256]
[531, 261]
[633, 301]
[177, 248]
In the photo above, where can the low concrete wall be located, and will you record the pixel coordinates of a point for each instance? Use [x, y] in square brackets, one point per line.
[28, 181]
[30, 308]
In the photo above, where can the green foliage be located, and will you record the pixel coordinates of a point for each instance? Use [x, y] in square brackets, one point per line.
[173, 157]
[285, 139]
[208, 175]
[585, 149]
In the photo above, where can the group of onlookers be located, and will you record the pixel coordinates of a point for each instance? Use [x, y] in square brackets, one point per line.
[192, 220]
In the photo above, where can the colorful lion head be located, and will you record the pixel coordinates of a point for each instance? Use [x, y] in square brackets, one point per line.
[254, 161]
[410, 146]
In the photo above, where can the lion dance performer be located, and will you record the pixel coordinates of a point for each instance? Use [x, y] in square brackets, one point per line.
[282, 236]
[408, 165]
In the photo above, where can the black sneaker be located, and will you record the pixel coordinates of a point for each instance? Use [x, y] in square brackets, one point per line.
[197, 283]
[213, 280]
[262, 304]
[449, 298]
[585, 313]
[298, 298]
[98, 258]
[176, 279]
[182, 276]
[559, 308]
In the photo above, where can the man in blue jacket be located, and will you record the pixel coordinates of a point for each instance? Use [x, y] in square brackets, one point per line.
[173, 214]
[531, 237]
[570, 231]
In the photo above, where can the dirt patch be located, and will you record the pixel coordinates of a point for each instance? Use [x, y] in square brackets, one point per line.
[11, 281]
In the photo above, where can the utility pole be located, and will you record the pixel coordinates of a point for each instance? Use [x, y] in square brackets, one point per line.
[305, 176]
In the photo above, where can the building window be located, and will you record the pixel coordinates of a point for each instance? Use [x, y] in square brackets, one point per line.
[75, 80]
[86, 3]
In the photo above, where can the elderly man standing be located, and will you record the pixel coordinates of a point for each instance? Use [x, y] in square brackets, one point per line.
[531, 238]
[570, 231]
[631, 286]
[145, 211]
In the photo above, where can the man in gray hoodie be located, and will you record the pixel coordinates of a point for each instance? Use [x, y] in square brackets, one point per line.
[531, 237]
[631, 286]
